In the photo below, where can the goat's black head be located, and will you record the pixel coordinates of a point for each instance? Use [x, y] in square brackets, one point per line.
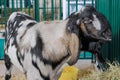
[89, 24]
[94, 24]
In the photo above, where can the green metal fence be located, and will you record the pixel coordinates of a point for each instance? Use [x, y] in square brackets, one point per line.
[1, 48]
[42, 10]
[50, 9]
[9, 6]
[39, 9]
[111, 9]
[79, 3]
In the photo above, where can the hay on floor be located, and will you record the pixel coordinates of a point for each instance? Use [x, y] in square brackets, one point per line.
[113, 73]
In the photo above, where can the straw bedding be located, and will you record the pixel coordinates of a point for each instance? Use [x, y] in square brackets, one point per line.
[113, 73]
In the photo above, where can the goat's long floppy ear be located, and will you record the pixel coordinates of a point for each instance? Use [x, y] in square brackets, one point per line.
[74, 49]
[89, 31]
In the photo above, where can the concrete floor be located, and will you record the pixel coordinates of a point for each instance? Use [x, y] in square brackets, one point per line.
[83, 64]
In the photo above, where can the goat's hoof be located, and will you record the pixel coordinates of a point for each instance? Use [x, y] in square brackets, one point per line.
[103, 66]
[7, 77]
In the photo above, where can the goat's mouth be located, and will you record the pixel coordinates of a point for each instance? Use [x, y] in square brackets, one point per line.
[96, 37]
[90, 32]
[106, 39]
[105, 36]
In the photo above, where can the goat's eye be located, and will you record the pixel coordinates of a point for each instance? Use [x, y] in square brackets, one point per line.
[87, 20]
[103, 33]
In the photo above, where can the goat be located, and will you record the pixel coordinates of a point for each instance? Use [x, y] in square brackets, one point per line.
[40, 49]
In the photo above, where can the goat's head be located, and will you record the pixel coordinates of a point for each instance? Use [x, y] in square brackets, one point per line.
[94, 24]
[90, 24]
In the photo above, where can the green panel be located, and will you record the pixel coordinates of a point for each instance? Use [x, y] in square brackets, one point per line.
[85, 55]
[111, 9]
[1, 48]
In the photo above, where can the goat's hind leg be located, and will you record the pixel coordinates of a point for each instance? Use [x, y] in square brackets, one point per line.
[8, 65]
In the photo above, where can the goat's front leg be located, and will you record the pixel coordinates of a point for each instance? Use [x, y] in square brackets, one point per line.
[101, 62]
[55, 74]
[8, 65]
[96, 49]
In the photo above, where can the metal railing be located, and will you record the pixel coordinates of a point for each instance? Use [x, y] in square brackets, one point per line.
[43, 10]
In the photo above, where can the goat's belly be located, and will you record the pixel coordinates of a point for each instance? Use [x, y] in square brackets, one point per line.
[13, 57]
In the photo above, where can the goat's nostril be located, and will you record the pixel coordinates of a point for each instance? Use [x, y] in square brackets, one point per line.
[103, 34]
[109, 39]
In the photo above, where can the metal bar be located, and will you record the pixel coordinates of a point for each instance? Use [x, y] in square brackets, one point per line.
[96, 3]
[92, 58]
[0, 8]
[39, 8]
[5, 11]
[65, 13]
[44, 11]
[12, 5]
[68, 7]
[52, 9]
[2, 22]
[84, 2]
[60, 9]
[92, 2]
[47, 12]
[84, 54]
[20, 5]
[37, 16]
[49, 7]
[16, 3]
[0, 3]
[76, 5]
[29, 5]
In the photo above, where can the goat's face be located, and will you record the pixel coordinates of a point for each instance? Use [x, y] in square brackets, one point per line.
[94, 24]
